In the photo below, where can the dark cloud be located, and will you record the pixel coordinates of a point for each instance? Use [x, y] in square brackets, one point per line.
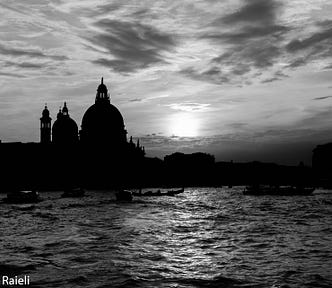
[257, 54]
[322, 98]
[24, 65]
[254, 11]
[33, 53]
[253, 35]
[133, 45]
[269, 80]
[279, 75]
[213, 75]
[313, 40]
[237, 125]
[15, 75]
[328, 67]
[255, 19]
[136, 100]
[316, 46]
[297, 63]
[248, 33]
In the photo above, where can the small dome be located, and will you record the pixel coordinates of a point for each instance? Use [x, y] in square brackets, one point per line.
[46, 113]
[64, 129]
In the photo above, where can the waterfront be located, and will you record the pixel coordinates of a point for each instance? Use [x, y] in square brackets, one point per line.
[205, 237]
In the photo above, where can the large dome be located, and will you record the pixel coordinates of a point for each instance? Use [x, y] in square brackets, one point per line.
[103, 122]
[106, 116]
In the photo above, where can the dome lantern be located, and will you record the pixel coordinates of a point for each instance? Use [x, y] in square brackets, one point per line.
[65, 110]
[102, 93]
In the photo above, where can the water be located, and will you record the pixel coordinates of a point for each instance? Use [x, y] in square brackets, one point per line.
[205, 237]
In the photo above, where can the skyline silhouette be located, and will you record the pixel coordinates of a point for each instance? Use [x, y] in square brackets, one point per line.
[242, 80]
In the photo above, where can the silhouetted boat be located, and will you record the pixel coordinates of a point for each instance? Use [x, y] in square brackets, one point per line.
[73, 193]
[124, 195]
[278, 191]
[18, 197]
[158, 193]
[175, 192]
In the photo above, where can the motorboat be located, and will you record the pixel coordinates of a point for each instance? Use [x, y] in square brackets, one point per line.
[278, 190]
[158, 193]
[124, 195]
[73, 193]
[175, 192]
[24, 196]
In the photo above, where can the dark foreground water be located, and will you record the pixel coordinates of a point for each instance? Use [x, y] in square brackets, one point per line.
[202, 238]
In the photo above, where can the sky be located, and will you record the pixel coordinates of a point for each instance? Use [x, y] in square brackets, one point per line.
[241, 79]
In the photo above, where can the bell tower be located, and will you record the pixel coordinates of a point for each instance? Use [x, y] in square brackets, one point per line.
[45, 126]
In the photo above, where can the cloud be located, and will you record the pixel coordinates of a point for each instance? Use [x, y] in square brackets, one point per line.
[248, 33]
[15, 75]
[132, 45]
[214, 75]
[314, 47]
[278, 75]
[313, 40]
[254, 11]
[135, 100]
[269, 80]
[251, 39]
[33, 53]
[24, 65]
[322, 98]
[189, 106]
[256, 54]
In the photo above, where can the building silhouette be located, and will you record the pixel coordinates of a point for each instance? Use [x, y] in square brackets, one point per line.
[97, 155]
[45, 126]
[102, 125]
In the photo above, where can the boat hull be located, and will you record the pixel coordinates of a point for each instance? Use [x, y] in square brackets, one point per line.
[283, 191]
[73, 193]
[22, 197]
[124, 195]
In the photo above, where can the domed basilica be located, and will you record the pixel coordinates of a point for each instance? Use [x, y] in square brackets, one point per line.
[102, 125]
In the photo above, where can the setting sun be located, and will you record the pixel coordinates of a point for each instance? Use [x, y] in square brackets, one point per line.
[184, 125]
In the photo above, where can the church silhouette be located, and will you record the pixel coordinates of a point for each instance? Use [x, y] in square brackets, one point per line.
[102, 125]
[97, 155]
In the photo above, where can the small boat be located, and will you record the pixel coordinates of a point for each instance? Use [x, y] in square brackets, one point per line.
[175, 192]
[278, 191]
[158, 193]
[18, 197]
[124, 195]
[73, 193]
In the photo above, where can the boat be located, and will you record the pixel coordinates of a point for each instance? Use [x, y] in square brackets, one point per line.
[278, 190]
[73, 193]
[158, 193]
[24, 196]
[175, 192]
[124, 195]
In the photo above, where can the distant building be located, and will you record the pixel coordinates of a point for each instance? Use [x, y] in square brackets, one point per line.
[322, 159]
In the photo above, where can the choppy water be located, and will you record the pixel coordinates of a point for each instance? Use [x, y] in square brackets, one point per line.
[201, 238]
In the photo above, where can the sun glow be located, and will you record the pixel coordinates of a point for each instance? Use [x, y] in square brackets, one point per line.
[184, 125]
